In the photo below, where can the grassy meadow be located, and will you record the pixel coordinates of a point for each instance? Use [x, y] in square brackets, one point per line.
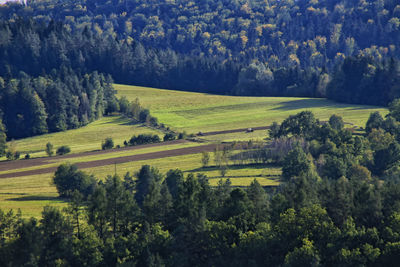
[87, 138]
[182, 111]
[194, 112]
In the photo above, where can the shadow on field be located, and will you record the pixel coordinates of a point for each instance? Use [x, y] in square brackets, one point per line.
[303, 103]
[257, 166]
[34, 198]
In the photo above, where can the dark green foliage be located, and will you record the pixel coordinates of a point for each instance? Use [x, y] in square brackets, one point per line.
[56, 102]
[68, 178]
[13, 155]
[143, 139]
[365, 80]
[3, 139]
[62, 150]
[296, 164]
[252, 48]
[302, 124]
[336, 122]
[169, 137]
[146, 177]
[107, 144]
[375, 121]
[49, 149]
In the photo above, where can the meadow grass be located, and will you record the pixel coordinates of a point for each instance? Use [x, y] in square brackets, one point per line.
[182, 111]
[194, 112]
[29, 194]
[87, 138]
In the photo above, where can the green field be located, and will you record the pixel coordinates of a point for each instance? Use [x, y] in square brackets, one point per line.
[87, 138]
[194, 112]
[182, 111]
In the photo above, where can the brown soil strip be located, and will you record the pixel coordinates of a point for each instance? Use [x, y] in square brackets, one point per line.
[19, 164]
[120, 160]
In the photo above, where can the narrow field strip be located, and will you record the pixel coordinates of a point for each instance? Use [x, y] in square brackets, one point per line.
[18, 164]
[105, 162]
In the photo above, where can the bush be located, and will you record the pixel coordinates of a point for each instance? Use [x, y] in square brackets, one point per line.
[49, 149]
[142, 139]
[13, 155]
[169, 137]
[107, 144]
[182, 135]
[68, 178]
[62, 150]
[144, 115]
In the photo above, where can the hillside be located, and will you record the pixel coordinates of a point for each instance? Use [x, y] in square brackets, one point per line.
[195, 112]
[182, 111]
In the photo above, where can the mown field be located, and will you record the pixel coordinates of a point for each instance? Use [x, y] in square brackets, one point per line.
[182, 111]
[87, 138]
[194, 112]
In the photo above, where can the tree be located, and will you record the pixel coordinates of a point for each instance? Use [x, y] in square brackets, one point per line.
[62, 150]
[306, 255]
[336, 122]
[295, 164]
[302, 124]
[394, 109]
[68, 178]
[274, 130]
[205, 159]
[145, 177]
[375, 121]
[49, 149]
[3, 139]
[169, 137]
[107, 144]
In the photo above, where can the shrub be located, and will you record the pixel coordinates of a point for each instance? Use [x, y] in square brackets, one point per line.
[144, 115]
[169, 137]
[182, 135]
[107, 144]
[13, 155]
[62, 150]
[142, 139]
[49, 149]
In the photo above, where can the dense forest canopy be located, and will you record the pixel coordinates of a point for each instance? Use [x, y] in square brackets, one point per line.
[274, 32]
[270, 48]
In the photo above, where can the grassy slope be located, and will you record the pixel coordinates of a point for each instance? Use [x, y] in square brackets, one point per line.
[87, 138]
[194, 112]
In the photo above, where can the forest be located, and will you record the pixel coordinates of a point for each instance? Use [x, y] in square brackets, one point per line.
[268, 48]
[338, 204]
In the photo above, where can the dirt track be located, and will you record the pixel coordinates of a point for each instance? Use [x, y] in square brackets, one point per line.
[119, 160]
